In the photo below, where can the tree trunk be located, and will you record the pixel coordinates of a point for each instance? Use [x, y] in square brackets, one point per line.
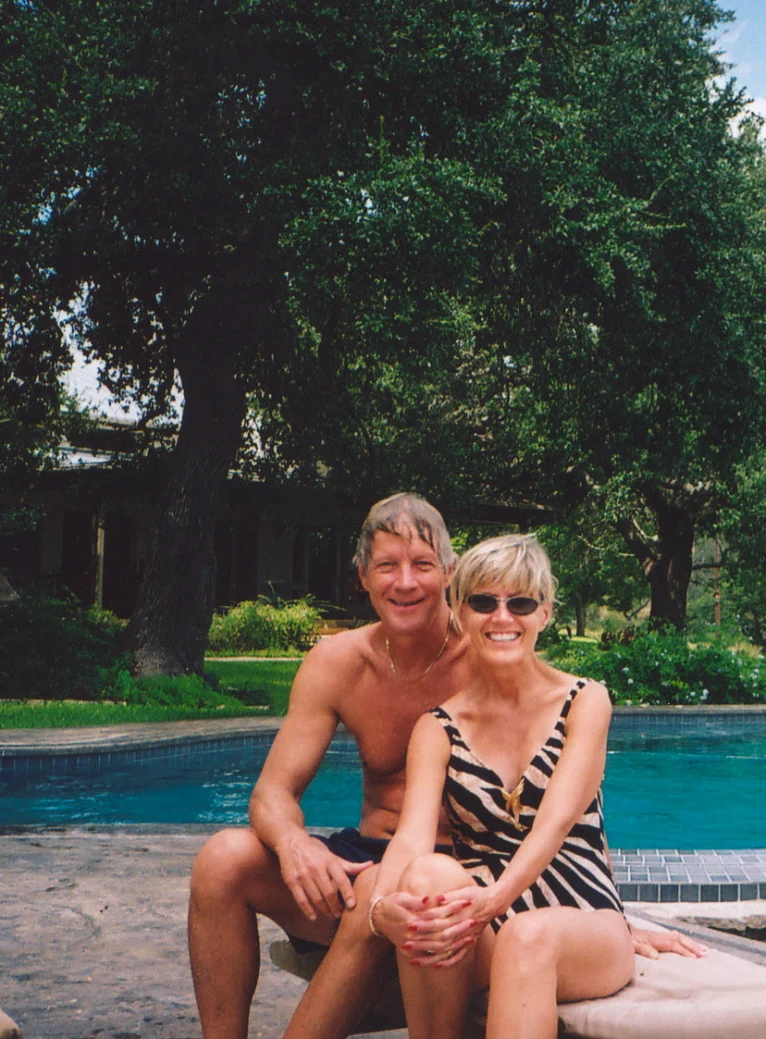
[581, 617]
[671, 573]
[667, 559]
[168, 630]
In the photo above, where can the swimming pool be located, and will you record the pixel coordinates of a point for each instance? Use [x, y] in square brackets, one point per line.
[662, 790]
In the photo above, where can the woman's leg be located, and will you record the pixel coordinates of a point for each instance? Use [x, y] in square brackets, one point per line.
[435, 998]
[552, 955]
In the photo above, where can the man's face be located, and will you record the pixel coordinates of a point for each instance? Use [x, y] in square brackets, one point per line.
[405, 580]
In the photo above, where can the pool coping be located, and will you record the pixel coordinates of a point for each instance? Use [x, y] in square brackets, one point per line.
[646, 875]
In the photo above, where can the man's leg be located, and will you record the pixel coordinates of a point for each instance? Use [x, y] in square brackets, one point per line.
[234, 877]
[350, 976]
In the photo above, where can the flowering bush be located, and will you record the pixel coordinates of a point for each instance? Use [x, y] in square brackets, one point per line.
[658, 666]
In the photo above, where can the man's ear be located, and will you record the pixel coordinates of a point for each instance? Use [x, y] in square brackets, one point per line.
[361, 574]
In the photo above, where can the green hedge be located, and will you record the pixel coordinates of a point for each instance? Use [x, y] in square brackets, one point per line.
[660, 667]
[260, 624]
[54, 649]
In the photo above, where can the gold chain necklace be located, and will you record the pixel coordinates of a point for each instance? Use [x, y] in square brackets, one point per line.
[434, 662]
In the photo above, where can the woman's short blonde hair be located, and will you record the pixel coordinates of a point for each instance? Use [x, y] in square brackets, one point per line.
[516, 562]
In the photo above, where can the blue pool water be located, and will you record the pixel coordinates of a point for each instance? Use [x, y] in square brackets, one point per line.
[661, 792]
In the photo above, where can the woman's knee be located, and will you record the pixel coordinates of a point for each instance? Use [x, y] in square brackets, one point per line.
[530, 939]
[433, 874]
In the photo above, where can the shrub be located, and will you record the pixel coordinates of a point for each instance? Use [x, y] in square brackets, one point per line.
[660, 667]
[260, 624]
[55, 649]
[181, 691]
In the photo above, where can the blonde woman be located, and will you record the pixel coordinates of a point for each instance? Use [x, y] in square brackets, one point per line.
[527, 907]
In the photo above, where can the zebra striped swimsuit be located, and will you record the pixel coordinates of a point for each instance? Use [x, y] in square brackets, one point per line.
[488, 824]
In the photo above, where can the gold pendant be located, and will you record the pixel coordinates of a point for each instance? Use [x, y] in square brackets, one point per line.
[513, 803]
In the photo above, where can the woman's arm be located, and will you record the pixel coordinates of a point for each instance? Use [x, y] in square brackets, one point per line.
[573, 785]
[427, 756]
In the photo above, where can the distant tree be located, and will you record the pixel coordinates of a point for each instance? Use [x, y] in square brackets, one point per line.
[611, 354]
[743, 533]
[592, 565]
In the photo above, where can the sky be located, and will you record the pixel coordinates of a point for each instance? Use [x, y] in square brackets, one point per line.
[743, 43]
[743, 46]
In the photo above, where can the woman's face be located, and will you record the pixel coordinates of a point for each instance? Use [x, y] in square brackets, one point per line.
[506, 634]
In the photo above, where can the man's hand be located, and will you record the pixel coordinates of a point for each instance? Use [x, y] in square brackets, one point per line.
[317, 879]
[652, 943]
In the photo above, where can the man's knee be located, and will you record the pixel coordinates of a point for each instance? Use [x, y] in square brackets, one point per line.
[432, 874]
[232, 863]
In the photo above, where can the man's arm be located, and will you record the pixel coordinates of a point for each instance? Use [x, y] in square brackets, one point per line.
[317, 879]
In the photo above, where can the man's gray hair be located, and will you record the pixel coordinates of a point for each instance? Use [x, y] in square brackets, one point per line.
[406, 515]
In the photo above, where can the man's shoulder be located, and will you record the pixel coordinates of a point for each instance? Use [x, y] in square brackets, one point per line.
[347, 652]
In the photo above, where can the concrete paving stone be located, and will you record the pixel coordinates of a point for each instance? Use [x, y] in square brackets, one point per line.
[94, 939]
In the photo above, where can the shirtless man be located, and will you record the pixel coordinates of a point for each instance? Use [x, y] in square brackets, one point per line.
[376, 681]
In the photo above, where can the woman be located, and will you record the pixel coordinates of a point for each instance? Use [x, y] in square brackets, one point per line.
[527, 907]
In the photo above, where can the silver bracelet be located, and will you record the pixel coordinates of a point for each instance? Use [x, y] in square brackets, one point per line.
[370, 921]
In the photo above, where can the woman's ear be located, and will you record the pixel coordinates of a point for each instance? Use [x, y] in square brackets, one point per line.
[547, 608]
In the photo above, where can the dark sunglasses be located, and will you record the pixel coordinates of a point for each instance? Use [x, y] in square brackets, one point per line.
[519, 605]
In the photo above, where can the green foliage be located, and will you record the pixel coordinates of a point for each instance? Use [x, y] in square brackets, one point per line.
[654, 666]
[233, 689]
[261, 624]
[591, 565]
[54, 649]
[743, 526]
[188, 692]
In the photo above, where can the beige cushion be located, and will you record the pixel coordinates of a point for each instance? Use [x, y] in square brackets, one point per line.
[717, 997]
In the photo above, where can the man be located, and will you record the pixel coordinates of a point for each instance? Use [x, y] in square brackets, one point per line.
[376, 681]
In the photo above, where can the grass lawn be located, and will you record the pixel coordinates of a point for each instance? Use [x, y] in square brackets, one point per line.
[261, 686]
[265, 682]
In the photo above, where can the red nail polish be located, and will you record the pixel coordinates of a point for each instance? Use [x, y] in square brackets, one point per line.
[425, 899]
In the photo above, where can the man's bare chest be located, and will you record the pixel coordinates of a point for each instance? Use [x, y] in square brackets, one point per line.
[381, 720]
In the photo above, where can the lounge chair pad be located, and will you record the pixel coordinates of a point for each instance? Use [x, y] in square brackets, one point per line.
[717, 997]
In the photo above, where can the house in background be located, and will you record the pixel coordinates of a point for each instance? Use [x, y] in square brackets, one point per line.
[97, 519]
[98, 510]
